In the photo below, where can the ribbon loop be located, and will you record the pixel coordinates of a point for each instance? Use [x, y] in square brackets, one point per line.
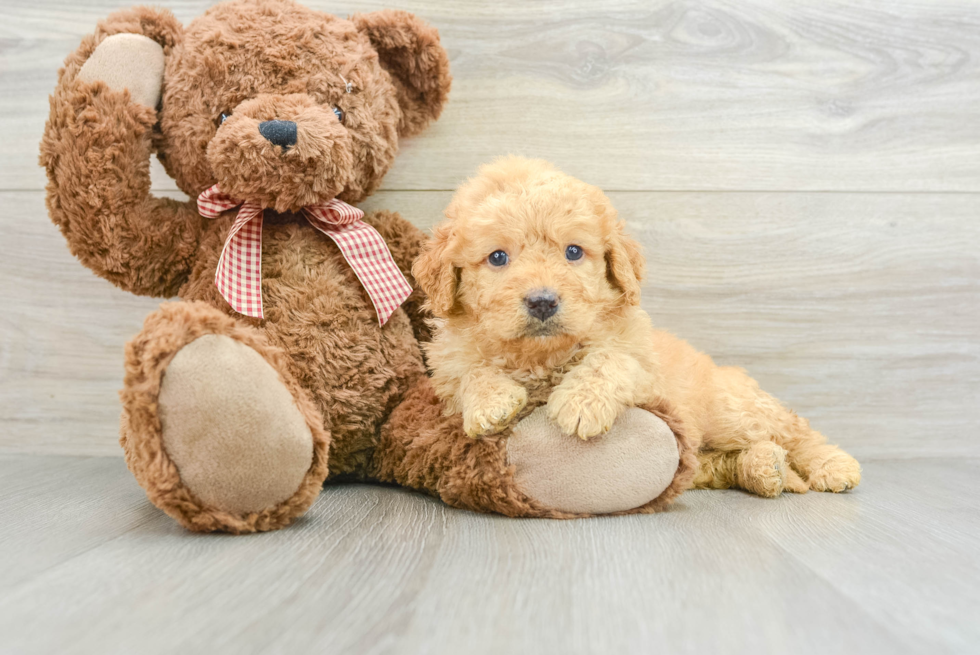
[239, 273]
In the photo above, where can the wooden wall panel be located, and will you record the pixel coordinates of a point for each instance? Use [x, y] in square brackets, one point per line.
[639, 95]
[862, 311]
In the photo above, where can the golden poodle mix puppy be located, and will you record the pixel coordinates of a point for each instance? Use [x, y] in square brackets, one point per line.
[536, 290]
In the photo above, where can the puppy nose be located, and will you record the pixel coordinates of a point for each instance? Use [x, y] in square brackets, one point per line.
[281, 133]
[541, 304]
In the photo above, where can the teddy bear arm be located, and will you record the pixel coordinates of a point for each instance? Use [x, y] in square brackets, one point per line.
[405, 242]
[96, 149]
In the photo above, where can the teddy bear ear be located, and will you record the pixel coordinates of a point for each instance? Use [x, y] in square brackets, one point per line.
[409, 50]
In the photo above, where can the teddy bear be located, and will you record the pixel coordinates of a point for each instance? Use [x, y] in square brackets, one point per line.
[292, 356]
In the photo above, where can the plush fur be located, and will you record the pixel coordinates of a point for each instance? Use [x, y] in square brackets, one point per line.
[252, 60]
[599, 353]
[353, 88]
[147, 356]
[424, 447]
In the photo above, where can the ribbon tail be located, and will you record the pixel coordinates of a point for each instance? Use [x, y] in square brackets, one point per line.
[368, 255]
[239, 273]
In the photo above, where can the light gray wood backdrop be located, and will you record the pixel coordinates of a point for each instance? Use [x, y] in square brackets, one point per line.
[804, 176]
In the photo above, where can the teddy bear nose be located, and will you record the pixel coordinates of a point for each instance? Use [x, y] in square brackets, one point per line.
[541, 304]
[281, 133]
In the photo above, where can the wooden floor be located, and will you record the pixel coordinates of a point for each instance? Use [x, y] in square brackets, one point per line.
[805, 179]
[88, 566]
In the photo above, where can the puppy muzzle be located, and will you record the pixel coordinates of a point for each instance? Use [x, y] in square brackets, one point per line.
[542, 304]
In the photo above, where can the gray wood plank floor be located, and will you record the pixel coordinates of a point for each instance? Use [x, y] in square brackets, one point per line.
[87, 565]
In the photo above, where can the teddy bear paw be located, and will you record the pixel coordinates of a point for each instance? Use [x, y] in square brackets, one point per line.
[128, 61]
[626, 468]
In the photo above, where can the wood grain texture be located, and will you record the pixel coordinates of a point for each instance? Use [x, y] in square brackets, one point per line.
[889, 568]
[638, 94]
[861, 311]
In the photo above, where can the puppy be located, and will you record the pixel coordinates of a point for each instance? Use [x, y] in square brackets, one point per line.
[536, 293]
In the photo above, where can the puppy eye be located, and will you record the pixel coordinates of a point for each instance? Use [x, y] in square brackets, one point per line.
[498, 258]
[574, 253]
[339, 112]
[225, 115]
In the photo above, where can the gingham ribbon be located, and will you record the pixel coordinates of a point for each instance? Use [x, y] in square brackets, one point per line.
[239, 274]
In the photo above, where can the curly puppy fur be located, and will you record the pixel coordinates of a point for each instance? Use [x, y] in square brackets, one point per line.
[251, 61]
[598, 352]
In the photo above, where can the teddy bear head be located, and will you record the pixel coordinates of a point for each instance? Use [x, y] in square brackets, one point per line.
[286, 106]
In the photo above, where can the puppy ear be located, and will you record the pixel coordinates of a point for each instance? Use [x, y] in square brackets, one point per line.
[624, 264]
[128, 51]
[435, 273]
[624, 259]
[409, 50]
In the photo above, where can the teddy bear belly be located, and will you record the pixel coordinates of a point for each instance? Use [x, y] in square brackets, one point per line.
[317, 311]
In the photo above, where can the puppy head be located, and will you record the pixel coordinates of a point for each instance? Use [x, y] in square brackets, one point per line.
[529, 253]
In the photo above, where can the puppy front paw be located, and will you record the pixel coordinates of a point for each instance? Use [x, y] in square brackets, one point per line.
[492, 412]
[581, 411]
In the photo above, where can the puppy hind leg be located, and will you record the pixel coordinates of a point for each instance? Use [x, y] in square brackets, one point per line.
[760, 469]
[745, 427]
[717, 469]
[794, 483]
[826, 467]
[748, 415]
[823, 466]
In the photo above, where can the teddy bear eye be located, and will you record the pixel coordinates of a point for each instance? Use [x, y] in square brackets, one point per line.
[574, 253]
[340, 113]
[497, 258]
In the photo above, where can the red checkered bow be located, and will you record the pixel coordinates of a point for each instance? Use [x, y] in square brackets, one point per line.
[239, 274]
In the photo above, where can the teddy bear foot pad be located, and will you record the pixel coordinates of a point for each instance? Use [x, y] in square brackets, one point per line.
[215, 428]
[231, 426]
[624, 469]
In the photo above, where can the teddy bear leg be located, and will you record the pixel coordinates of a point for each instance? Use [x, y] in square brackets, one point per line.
[533, 470]
[215, 427]
[421, 448]
[631, 467]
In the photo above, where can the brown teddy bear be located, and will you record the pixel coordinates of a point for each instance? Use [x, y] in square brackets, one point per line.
[293, 354]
